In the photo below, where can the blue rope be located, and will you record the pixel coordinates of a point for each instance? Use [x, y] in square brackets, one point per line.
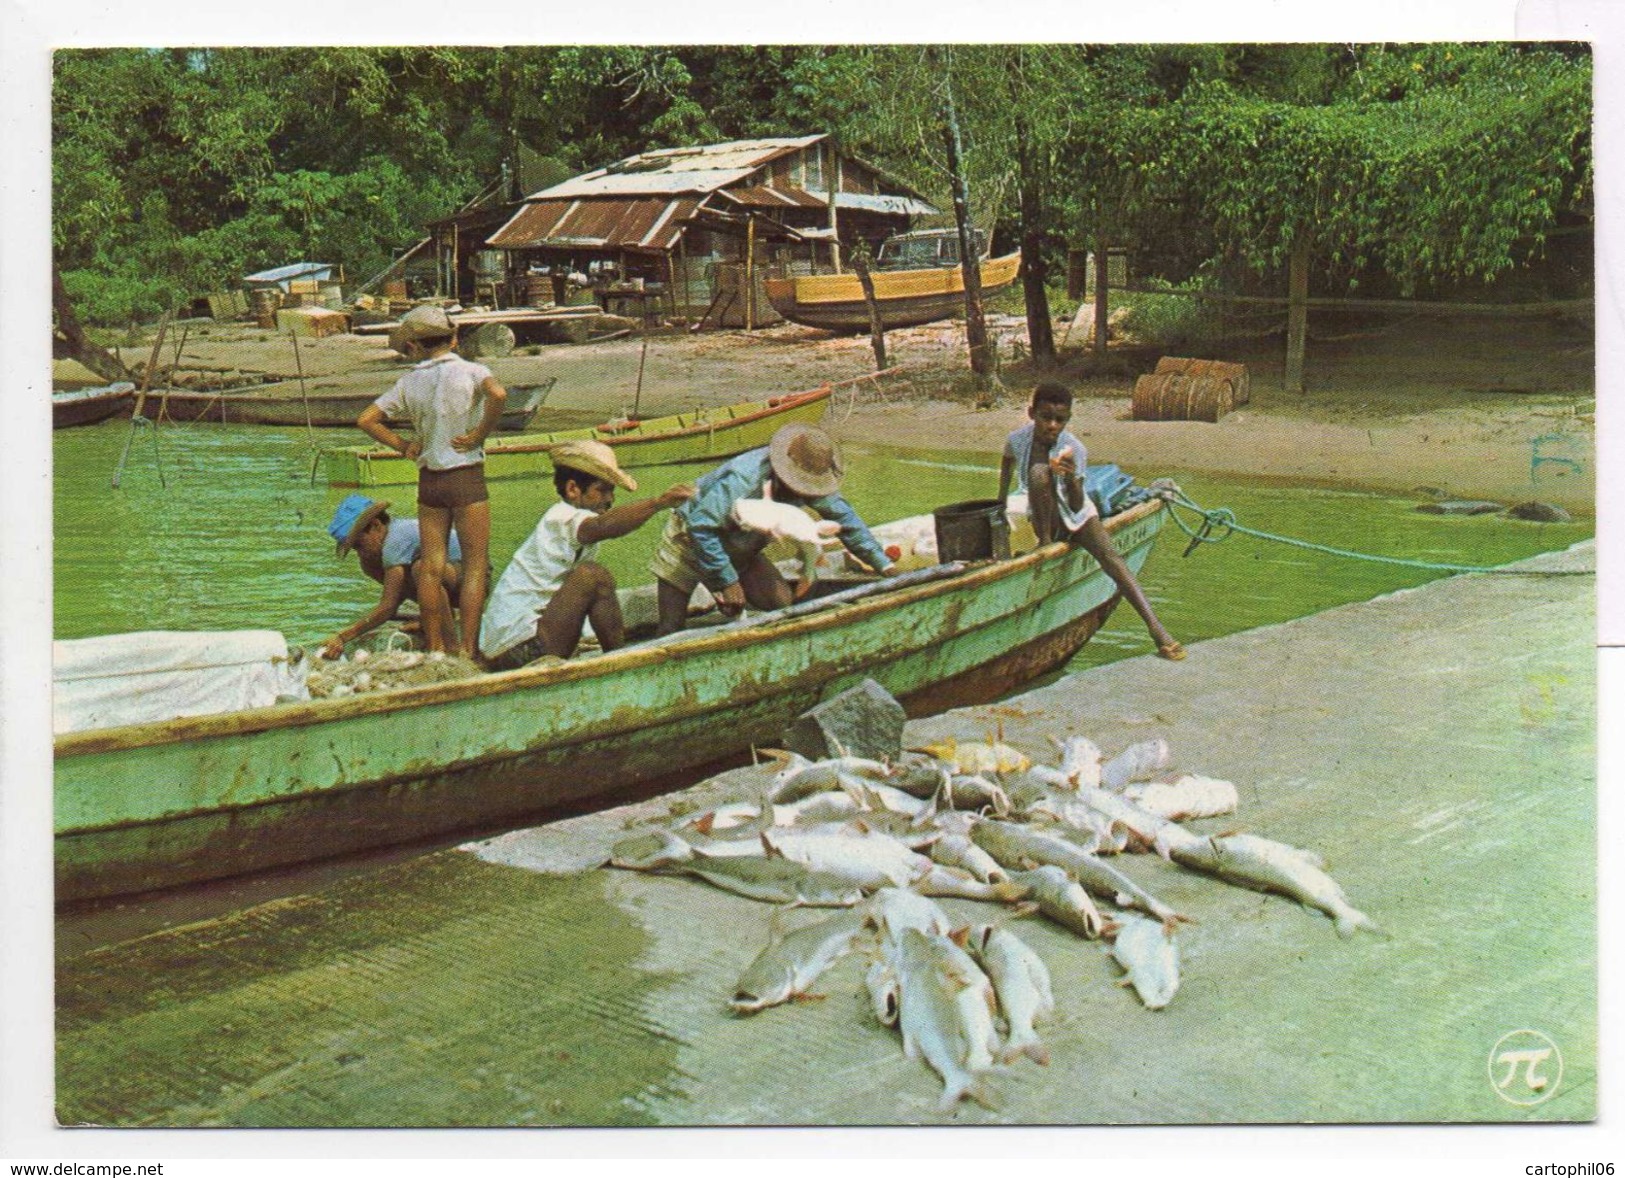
[1224, 520]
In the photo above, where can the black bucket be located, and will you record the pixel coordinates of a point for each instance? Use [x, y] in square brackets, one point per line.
[974, 530]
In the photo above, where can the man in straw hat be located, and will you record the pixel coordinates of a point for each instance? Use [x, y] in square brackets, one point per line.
[704, 543]
[554, 584]
[391, 553]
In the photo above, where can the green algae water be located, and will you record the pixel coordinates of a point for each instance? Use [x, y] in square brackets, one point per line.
[236, 538]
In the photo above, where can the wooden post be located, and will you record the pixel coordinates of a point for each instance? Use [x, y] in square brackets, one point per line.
[877, 334]
[1102, 285]
[833, 182]
[750, 273]
[1297, 315]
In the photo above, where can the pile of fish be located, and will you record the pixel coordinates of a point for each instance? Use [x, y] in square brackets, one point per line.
[977, 821]
[365, 671]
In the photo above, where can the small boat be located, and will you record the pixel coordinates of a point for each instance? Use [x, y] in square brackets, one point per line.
[88, 406]
[280, 405]
[699, 436]
[158, 804]
[917, 279]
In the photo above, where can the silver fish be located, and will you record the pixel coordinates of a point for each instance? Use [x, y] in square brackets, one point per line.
[1150, 830]
[801, 778]
[946, 1016]
[891, 910]
[1062, 899]
[1271, 866]
[973, 791]
[1027, 845]
[1021, 982]
[1187, 796]
[775, 881]
[869, 860]
[790, 964]
[958, 850]
[948, 881]
[1135, 763]
[1147, 952]
[884, 991]
[1080, 762]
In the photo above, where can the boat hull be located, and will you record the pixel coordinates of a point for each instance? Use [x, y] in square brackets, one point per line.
[702, 436]
[71, 410]
[282, 408]
[156, 805]
[905, 298]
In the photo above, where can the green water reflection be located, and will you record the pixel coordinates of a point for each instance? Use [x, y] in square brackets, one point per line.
[237, 540]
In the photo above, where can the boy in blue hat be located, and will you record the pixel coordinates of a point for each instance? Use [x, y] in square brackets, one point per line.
[391, 553]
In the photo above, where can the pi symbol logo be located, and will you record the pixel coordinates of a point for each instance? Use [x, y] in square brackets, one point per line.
[1525, 1067]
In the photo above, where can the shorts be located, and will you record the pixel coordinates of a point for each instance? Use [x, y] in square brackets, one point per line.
[461, 486]
[677, 561]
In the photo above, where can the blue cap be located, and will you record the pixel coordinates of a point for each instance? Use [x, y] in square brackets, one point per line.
[354, 514]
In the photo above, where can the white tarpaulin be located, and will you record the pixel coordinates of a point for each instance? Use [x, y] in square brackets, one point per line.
[160, 675]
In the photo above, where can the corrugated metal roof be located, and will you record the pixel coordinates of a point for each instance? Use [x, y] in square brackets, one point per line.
[672, 170]
[765, 196]
[652, 223]
[296, 270]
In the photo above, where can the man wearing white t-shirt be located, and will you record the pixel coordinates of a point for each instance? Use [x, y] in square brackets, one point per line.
[553, 583]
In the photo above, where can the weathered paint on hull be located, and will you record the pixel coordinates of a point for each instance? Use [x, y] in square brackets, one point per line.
[687, 437]
[221, 795]
[905, 298]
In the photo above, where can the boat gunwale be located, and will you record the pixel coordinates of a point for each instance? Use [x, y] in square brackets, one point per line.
[514, 445]
[627, 660]
[790, 289]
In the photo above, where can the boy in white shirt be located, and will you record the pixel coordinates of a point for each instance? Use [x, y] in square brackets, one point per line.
[1049, 462]
[453, 404]
[553, 583]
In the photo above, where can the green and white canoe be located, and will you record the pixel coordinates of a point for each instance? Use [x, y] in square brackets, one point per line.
[700, 436]
[153, 805]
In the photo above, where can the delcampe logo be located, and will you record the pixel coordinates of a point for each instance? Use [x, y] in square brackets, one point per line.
[1525, 1067]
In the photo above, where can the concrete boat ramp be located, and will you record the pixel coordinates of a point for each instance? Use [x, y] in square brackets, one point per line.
[1436, 746]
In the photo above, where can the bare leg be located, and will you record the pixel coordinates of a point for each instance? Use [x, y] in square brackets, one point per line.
[434, 530]
[474, 534]
[1042, 510]
[673, 606]
[588, 591]
[1095, 540]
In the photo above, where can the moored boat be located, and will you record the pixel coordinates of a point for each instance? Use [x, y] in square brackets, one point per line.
[699, 436]
[282, 405]
[153, 805]
[88, 406]
[905, 298]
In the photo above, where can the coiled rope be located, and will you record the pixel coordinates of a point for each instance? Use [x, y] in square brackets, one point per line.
[1219, 523]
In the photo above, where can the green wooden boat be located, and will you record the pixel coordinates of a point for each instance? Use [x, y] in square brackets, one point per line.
[700, 436]
[154, 805]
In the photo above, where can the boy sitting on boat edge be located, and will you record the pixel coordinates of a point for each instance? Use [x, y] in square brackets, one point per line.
[552, 585]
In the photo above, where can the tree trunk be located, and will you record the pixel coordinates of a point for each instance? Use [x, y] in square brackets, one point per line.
[71, 343]
[877, 334]
[1102, 295]
[1297, 314]
[984, 359]
[1040, 332]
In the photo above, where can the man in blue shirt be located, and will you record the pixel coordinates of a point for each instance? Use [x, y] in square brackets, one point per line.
[391, 553]
[704, 544]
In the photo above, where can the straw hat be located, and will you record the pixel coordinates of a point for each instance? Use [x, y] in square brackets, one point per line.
[352, 518]
[592, 458]
[806, 460]
[424, 322]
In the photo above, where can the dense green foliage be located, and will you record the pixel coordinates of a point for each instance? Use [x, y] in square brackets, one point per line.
[178, 170]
